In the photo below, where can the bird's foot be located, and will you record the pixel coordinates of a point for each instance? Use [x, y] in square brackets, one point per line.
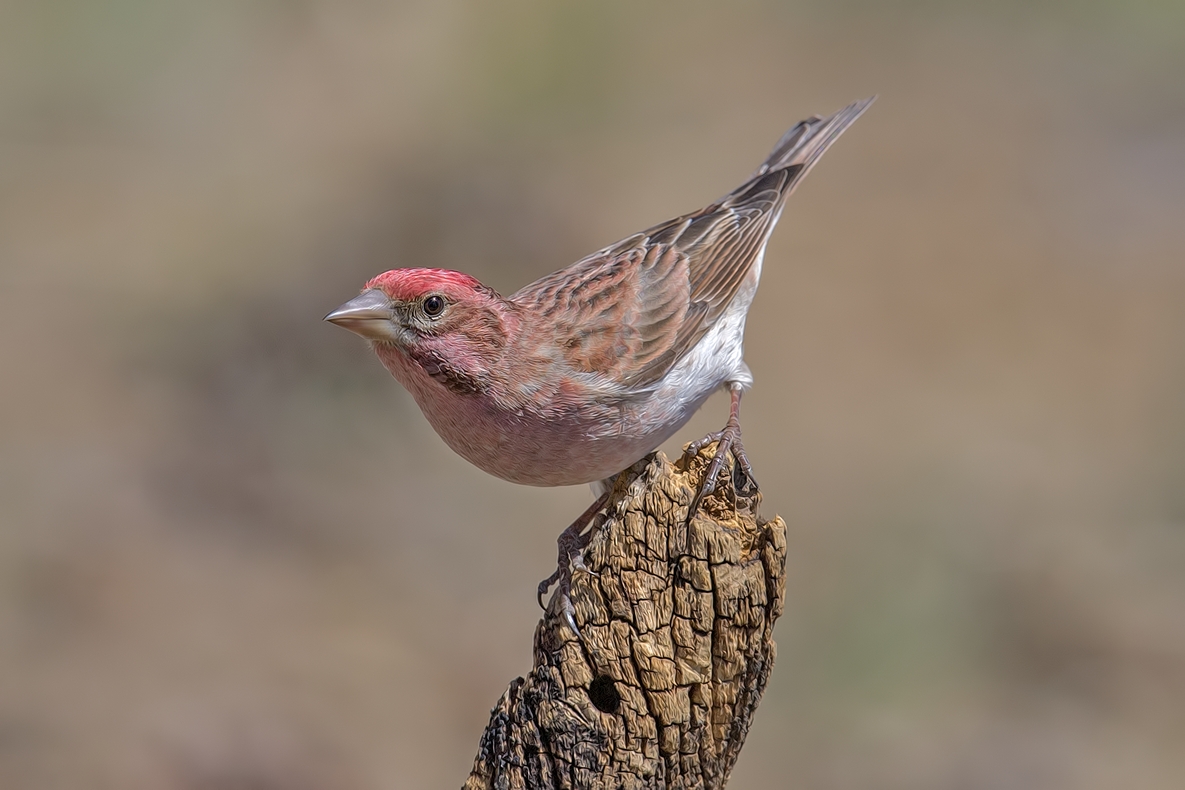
[728, 440]
[571, 542]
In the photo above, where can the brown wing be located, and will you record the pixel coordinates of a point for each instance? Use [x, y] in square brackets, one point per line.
[629, 312]
[617, 313]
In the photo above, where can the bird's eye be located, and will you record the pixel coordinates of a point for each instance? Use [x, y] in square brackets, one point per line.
[434, 306]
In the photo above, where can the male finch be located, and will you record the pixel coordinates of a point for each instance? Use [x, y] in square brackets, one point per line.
[583, 372]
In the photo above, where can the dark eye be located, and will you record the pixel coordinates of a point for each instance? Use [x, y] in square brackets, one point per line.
[434, 306]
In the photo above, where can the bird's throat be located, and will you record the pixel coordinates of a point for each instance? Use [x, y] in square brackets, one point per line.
[416, 367]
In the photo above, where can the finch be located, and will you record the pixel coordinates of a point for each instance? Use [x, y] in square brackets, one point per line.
[580, 374]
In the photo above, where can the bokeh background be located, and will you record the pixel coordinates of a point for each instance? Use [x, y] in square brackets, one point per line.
[233, 554]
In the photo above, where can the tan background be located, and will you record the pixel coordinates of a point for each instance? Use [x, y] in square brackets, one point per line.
[233, 554]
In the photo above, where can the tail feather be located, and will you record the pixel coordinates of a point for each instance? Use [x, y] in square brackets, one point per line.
[807, 141]
[792, 158]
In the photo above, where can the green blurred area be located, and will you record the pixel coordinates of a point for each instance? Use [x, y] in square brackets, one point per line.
[232, 553]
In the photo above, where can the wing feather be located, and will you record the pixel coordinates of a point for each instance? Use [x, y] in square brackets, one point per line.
[629, 312]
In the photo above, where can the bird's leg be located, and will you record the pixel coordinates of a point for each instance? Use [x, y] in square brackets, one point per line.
[570, 542]
[728, 440]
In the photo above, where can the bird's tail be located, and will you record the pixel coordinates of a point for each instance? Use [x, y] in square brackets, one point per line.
[807, 141]
[792, 158]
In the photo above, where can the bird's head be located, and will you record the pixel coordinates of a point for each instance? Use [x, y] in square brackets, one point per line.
[436, 317]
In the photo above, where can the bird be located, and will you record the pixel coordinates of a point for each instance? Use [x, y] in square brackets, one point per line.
[578, 375]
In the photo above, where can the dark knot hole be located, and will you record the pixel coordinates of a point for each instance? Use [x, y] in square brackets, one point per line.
[604, 694]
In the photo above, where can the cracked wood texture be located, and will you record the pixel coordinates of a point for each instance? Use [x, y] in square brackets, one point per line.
[676, 622]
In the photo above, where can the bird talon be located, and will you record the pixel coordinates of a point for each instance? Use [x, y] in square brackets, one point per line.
[565, 592]
[571, 542]
[569, 612]
[544, 586]
[743, 480]
[728, 441]
[576, 561]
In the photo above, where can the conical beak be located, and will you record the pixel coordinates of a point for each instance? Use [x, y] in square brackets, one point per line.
[369, 314]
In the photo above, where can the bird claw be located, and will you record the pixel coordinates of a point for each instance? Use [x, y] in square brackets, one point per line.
[545, 585]
[743, 481]
[577, 563]
[571, 543]
[568, 609]
[563, 575]
[564, 591]
[728, 440]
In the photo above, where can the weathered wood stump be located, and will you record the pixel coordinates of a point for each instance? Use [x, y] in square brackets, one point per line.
[676, 621]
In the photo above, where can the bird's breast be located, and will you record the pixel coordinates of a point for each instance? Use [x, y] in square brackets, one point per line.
[576, 444]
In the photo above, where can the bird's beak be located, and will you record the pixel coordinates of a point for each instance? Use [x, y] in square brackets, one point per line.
[369, 314]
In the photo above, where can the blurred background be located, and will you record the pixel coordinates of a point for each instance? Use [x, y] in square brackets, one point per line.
[233, 554]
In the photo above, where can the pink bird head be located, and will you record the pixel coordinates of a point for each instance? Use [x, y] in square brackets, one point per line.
[445, 323]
